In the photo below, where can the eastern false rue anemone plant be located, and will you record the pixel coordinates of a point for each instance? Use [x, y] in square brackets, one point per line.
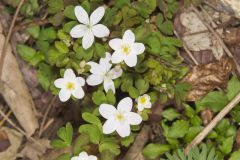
[116, 59]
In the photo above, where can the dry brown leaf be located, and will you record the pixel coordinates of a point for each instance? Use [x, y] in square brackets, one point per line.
[205, 78]
[207, 116]
[4, 141]
[15, 139]
[231, 36]
[15, 91]
[35, 150]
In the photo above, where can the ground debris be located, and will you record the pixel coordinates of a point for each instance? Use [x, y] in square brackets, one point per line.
[205, 78]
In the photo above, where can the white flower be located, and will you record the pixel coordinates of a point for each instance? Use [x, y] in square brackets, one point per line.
[143, 102]
[84, 156]
[89, 27]
[70, 85]
[102, 73]
[126, 49]
[119, 119]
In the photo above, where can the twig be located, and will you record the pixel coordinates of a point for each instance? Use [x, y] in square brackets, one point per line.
[186, 49]
[4, 119]
[3, 54]
[213, 123]
[45, 115]
[17, 128]
[219, 39]
[30, 24]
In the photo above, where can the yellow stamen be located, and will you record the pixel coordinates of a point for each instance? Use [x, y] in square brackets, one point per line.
[120, 117]
[70, 86]
[126, 49]
[142, 100]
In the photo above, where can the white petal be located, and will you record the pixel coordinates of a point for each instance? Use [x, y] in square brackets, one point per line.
[140, 107]
[97, 15]
[107, 111]
[80, 81]
[91, 157]
[75, 158]
[117, 57]
[100, 31]
[124, 130]
[148, 105]
[133, 118]
[105, 62]
[115, 72]
[115, 44]
[109, 126]
[139, 48]
[87, 40]
[78, 93]
[131, 60]
[60, 83]
[83, 155]
[69, 74]
[129, 36]
[96, 68]
[78, 31]
[108, 84]
[94, 80]
[81, 15]
[125, 104]
[64, 95]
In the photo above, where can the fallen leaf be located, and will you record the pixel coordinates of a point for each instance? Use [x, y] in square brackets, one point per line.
[35, 150]
[15, 139]
[15, 91]
[207, 116]
[205, 78]
[4, 141]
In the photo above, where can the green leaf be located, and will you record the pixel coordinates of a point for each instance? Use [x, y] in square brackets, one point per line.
[233, 87]
[48, 34]
[55, 6]
[57, 143]
[142, 86]
[99, 97]
[33, 31]
[215, 100]
[111, 97]
[67, 27]
[127, 140]
[45, 75]
[91, 118]
[69, 12]
[133, 92]
[43, 46]
[235, 155]
[227, 144]
[153, 151]
[192, 133]
[166, 27]
[110, 146]
[61, 47]
[79, 143]
[26, 52]
[57, 19]
[170, 114]
[64, 156]
[181, 91]
[100, 50]
[54, 55]
[179, 129]
[93, 131]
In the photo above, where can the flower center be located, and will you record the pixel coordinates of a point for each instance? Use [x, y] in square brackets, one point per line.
[142, 100]
[120, 117]
[70, 86]
[126, 49]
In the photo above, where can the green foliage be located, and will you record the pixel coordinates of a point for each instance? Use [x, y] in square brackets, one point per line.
[181, 91]
[203, 152]
[152, 150]
[235, 155]
[64, 137]
[170, 114]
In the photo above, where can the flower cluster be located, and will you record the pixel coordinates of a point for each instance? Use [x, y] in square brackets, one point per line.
[125, 50]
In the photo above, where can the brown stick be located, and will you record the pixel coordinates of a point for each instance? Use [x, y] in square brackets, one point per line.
[3, 55]
[213, 123]
[30, 24]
